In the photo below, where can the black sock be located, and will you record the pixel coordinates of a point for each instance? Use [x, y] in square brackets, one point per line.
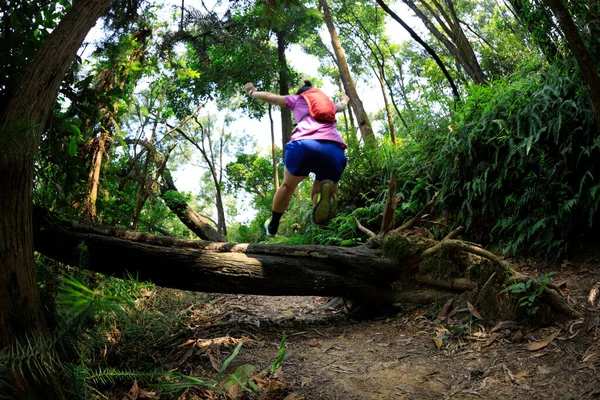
[274, 224]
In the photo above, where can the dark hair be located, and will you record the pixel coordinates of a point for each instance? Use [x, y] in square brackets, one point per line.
[307, 85]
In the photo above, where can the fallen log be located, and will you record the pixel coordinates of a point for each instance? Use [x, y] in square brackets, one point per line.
[357, 273]
[407, 267]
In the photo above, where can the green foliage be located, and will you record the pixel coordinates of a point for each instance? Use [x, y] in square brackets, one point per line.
[84, 317]
[253, 174]
[520, 161]
[280, 356]
[24, 26]
[529, 292]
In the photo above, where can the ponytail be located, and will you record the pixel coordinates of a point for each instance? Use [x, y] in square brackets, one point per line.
[307, 85]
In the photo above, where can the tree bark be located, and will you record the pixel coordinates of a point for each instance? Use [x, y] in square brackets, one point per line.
[20, 133]
[361, 115]
[274, 149]
[581, 53]
[284, 89]
[357, 273]
[99, 149]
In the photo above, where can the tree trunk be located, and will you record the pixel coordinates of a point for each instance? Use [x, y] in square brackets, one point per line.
[358, 273]
[428, 48]
[361, 115]
[197, 223]
[581, 53]
[414, 267]
[284, 89]
[455, 42]
[89, 205]
[539, 24]
[221, 224]
[20, 133]
[388, 106]
[274, 149]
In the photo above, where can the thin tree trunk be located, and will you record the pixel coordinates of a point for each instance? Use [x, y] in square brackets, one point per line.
[274, 149]
[20, 132]
[286, 113]
[456, 42]
[379, 72]
[143, 191]
[361, 115]
[388, 107]
[581, 53]
[539, 25]
[89, 205]
[428, 48]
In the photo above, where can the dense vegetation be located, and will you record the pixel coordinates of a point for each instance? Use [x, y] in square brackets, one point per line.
[513, 153]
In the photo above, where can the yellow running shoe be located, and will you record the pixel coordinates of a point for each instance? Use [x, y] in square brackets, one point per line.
[326, 203]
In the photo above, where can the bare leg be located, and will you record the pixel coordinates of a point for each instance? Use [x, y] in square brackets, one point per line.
[282, 197]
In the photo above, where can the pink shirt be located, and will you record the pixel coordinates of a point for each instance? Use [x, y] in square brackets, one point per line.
[309, 128]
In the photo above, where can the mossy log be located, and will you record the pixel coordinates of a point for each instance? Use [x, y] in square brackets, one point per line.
[409, 267]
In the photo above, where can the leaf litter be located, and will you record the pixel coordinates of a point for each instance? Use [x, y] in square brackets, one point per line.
[330, 355]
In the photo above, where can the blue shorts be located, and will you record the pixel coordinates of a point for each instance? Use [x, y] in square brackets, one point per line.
[324, 158]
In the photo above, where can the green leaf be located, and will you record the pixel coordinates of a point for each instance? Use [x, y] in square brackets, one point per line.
[280, 356]
[229, 360]
[14, 21]
[73, 146]
[594, 190]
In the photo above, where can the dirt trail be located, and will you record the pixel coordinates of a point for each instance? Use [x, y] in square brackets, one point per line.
[332, 356]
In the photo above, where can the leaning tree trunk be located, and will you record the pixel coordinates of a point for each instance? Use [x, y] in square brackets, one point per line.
[454, 41]
[197, 223]
[581, 53]
[355, 102]
[427, 48]
[20, 134]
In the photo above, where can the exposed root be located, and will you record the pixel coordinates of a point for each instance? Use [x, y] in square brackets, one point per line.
[361, 228]
[417, 218]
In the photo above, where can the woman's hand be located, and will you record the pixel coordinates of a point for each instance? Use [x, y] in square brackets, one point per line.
[344, 98]
[249, 88]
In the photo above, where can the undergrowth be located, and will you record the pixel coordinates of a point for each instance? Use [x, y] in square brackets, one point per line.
[106, 331]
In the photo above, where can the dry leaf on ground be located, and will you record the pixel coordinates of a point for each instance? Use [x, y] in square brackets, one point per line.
[445, 309]
[474, 311]
[543, 343]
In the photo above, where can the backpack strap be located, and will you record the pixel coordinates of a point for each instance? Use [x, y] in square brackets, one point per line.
[305, 115]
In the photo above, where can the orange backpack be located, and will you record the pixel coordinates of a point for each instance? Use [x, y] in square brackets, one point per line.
[320, 106]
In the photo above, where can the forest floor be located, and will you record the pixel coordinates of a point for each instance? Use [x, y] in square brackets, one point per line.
[332, 355]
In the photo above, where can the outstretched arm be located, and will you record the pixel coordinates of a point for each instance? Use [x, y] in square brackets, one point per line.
[342, 104]
[268, 97]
